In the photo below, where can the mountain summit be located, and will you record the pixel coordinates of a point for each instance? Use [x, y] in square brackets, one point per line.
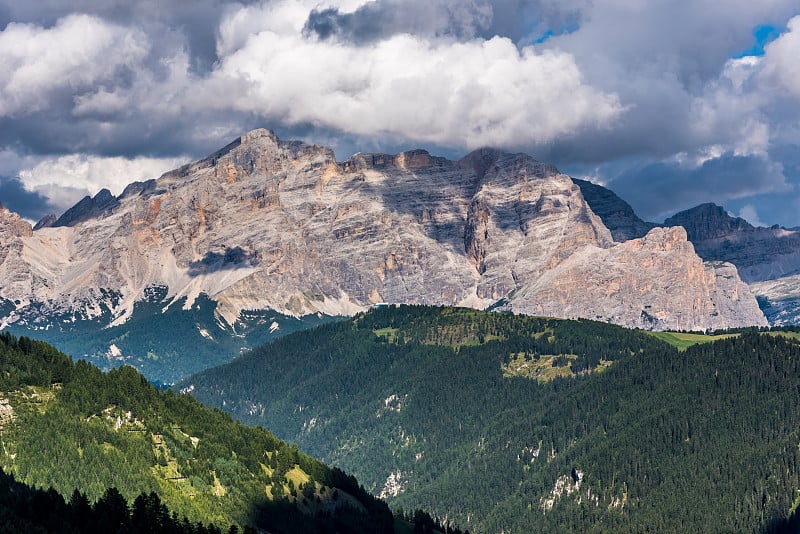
[282, 225]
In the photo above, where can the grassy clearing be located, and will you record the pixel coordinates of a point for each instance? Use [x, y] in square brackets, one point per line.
[541, 369]
[683, 341]
[297, 476]
[545, 369]
[795, 336]
[388, 333]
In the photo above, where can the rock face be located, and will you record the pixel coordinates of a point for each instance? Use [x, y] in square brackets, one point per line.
[87, 208]
[16, 272]
[767, 258]
[779, 299]
[616, 214]
[708, 221]
[759, 253]
[654, 282]
[268, 224]
[46, 221]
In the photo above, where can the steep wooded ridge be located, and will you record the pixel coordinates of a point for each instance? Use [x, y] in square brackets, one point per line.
[265, 224]
[508, 423]
[68, 426]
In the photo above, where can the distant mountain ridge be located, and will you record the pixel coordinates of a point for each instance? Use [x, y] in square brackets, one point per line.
[616, 214]
[265, 224]
[708, 221]
[767, 258]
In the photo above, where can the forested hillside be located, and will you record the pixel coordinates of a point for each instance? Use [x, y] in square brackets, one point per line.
[162, 340]
[520, 424]
[24, 510]
[69, 426]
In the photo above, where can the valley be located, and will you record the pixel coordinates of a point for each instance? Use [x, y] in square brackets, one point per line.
[419, 403]
[399, 267]
[625, 376]
[117, 431]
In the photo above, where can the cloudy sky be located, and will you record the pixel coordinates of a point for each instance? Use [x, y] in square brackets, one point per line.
[670, 103]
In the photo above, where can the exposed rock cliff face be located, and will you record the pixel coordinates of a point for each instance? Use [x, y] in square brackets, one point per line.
[708, 221]
[654, 282]
[46, 222]
[767, 258]
[17, 278]
[87, 208]
[265, 223]
[759, 253]
[616, 214]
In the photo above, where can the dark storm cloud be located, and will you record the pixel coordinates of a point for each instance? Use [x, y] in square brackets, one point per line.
[658, 190]
[378, 20]
[604, 88]
[520, 20]
[13, 195]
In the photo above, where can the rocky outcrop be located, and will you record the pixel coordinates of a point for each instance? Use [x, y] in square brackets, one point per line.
[616, 214]
[46, 222]
[265, 223]
[760, 254]
[654, 282]
[708, 221]
[17, 277]
[779, 299]
[88, 208]
[768, 259]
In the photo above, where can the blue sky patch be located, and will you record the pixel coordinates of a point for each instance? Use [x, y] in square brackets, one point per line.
[763, 35]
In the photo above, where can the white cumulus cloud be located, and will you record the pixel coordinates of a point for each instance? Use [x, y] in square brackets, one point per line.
[782, 58]
[460, 94]
[749, 213]
[65, 180]
[79, 52]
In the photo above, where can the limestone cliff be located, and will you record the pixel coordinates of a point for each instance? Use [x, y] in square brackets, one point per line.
[654, 282]
[766, 258]
[759, 253]
[265, 223]
[616, 214]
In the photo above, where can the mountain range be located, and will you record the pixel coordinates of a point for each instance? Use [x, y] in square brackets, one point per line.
[497, 422]
[766, 258]
[280, 233]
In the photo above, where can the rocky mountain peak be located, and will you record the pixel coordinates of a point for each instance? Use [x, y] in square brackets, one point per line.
[46, 222]
[88, 208]
[708, 221]
[616, 214]
[270, 224]
[653, 282]
[483, 160]
[12, 225]
[663, 239]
